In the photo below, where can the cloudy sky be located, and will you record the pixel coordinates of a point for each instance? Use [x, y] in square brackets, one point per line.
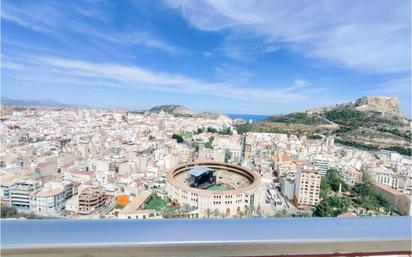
[251, 57]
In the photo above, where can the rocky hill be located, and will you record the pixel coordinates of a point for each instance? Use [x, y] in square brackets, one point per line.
[384, 105]
[372, 122]
[180, 110]
[173, 109]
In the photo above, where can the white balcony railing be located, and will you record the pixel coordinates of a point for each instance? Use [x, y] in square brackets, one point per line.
[208, 237]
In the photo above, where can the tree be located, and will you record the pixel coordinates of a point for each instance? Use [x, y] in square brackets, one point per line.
[209, 143]
[195, 145]
[226, 131]
[228, 155]
[362, 189]
[401, 150]
[325, 189]
[314, 137]
[332, 206]
[178, 138]
[216, 213]
[282, 213]
[200, 130]
[334, 179]
[387, 206]
[331, 182]
[302, 215]
[243, 128]
[370, 202]
[366, 198]
[8, 212]
[211, 130]
[170, 212]
[208, 212]
[366, 178]
[248, 212]
[186, 208]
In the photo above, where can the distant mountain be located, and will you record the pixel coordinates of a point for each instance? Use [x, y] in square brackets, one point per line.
[173, 109]
[47, 102]
[180, 110]
[373, 122]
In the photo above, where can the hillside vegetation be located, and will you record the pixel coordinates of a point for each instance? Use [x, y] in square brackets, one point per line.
[370, 123]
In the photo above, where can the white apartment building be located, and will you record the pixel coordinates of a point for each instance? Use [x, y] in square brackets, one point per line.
[388, 178]
[48, 201]
[321, 164]
[20, 193]
[307, 188]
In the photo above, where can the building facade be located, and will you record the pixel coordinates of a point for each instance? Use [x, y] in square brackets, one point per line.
[307, 187]
[20, 193]
[91, 200]
[399, 201]
[48, 202]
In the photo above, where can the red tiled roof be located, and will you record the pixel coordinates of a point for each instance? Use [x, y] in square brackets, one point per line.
[387, 188]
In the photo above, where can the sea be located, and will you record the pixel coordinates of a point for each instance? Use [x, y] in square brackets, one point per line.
[247, 117]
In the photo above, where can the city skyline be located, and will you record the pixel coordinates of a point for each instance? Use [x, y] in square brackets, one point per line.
[212, 56]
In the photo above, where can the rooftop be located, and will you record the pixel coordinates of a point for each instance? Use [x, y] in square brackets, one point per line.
[44, 192]
[197, 171]
[387, 188]
[134, 205]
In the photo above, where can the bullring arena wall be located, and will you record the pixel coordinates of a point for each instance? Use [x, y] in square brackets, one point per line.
[229, 202]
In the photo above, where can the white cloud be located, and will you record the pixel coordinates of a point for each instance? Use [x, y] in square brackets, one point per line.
[142, 38]
[55, 70]
[235, 75]
[39, 17]
[298, 84]
[59, 18]
[399, 86]
[372, 36]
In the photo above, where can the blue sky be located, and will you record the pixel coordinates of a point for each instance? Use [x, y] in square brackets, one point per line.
[252, 57]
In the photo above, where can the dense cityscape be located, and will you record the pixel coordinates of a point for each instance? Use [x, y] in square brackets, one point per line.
[98, 163]
[205, 128]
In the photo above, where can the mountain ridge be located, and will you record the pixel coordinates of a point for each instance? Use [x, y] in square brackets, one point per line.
[46, 102]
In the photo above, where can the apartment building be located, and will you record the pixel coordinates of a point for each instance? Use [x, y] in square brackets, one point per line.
[351, 175]
[307, 187]
[48, 201]
[5, 185]
[20, 193]
[321, 164]
[401, 202]
[287, 187]
[91, 200]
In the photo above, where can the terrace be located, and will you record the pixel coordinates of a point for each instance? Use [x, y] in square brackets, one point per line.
[208, 237]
